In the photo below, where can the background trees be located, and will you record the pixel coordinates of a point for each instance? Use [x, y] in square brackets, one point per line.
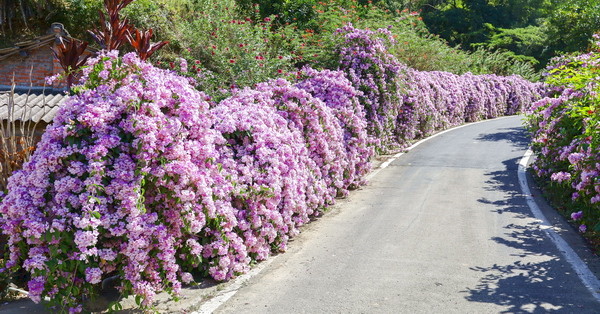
[526, 31]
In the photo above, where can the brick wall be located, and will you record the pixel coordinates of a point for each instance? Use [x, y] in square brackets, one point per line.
[33, 67]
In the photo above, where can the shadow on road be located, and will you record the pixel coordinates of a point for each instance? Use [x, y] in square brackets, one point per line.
[538, 281]
[517, 137]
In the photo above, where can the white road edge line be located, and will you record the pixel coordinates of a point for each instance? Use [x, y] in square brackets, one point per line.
[214, 303]
[393, 158]
[587, 277]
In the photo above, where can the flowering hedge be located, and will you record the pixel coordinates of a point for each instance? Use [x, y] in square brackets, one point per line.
[438, 100]
[337, 92]
[275, 189]
[377, 75]
[403, 104]
[140, 177]
[566, 135]
[123, 183]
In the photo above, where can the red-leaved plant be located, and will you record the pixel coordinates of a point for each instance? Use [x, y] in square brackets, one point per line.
[113, 31]
[140, 41]
[71, 56]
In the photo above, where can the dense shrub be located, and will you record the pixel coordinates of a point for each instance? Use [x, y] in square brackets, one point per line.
[415, 46]
[565, 134]
[337, 92]
[124, 182]
[271, 168]
[419, 49]
[226, 51]
[376, 74]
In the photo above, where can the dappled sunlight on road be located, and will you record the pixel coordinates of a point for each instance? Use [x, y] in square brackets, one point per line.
[537, 280]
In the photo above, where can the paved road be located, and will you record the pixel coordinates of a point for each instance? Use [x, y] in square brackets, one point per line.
[444, 229]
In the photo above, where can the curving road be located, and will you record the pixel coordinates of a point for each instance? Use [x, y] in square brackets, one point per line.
[443, 229]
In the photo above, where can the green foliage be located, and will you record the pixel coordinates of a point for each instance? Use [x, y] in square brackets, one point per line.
[582, 74]
[83, 14]
[277, 37]
[503, 63]
[229, 51]
[23, 17]
[415, 45]
[572, 22]
[514, 25]
[527, 41]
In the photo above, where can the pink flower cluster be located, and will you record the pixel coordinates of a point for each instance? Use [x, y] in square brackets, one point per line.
[138, 177]
[439, 100]
[403, 104]
[565, 133]
[123, 183]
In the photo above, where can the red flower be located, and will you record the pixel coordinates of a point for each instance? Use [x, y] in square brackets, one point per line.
[231, 61]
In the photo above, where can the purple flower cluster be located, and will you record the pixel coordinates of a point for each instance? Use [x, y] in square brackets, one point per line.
[123, 182]
[322, 132]
[564, 126]
[337, 92]
[376, 73]
[270, 165]
[289, 151]
[438, 100]
[402, 104]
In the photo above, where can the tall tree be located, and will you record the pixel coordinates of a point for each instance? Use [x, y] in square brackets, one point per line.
[572, 23]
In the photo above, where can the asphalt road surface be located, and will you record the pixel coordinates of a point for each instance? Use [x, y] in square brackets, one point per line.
[444, 229]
